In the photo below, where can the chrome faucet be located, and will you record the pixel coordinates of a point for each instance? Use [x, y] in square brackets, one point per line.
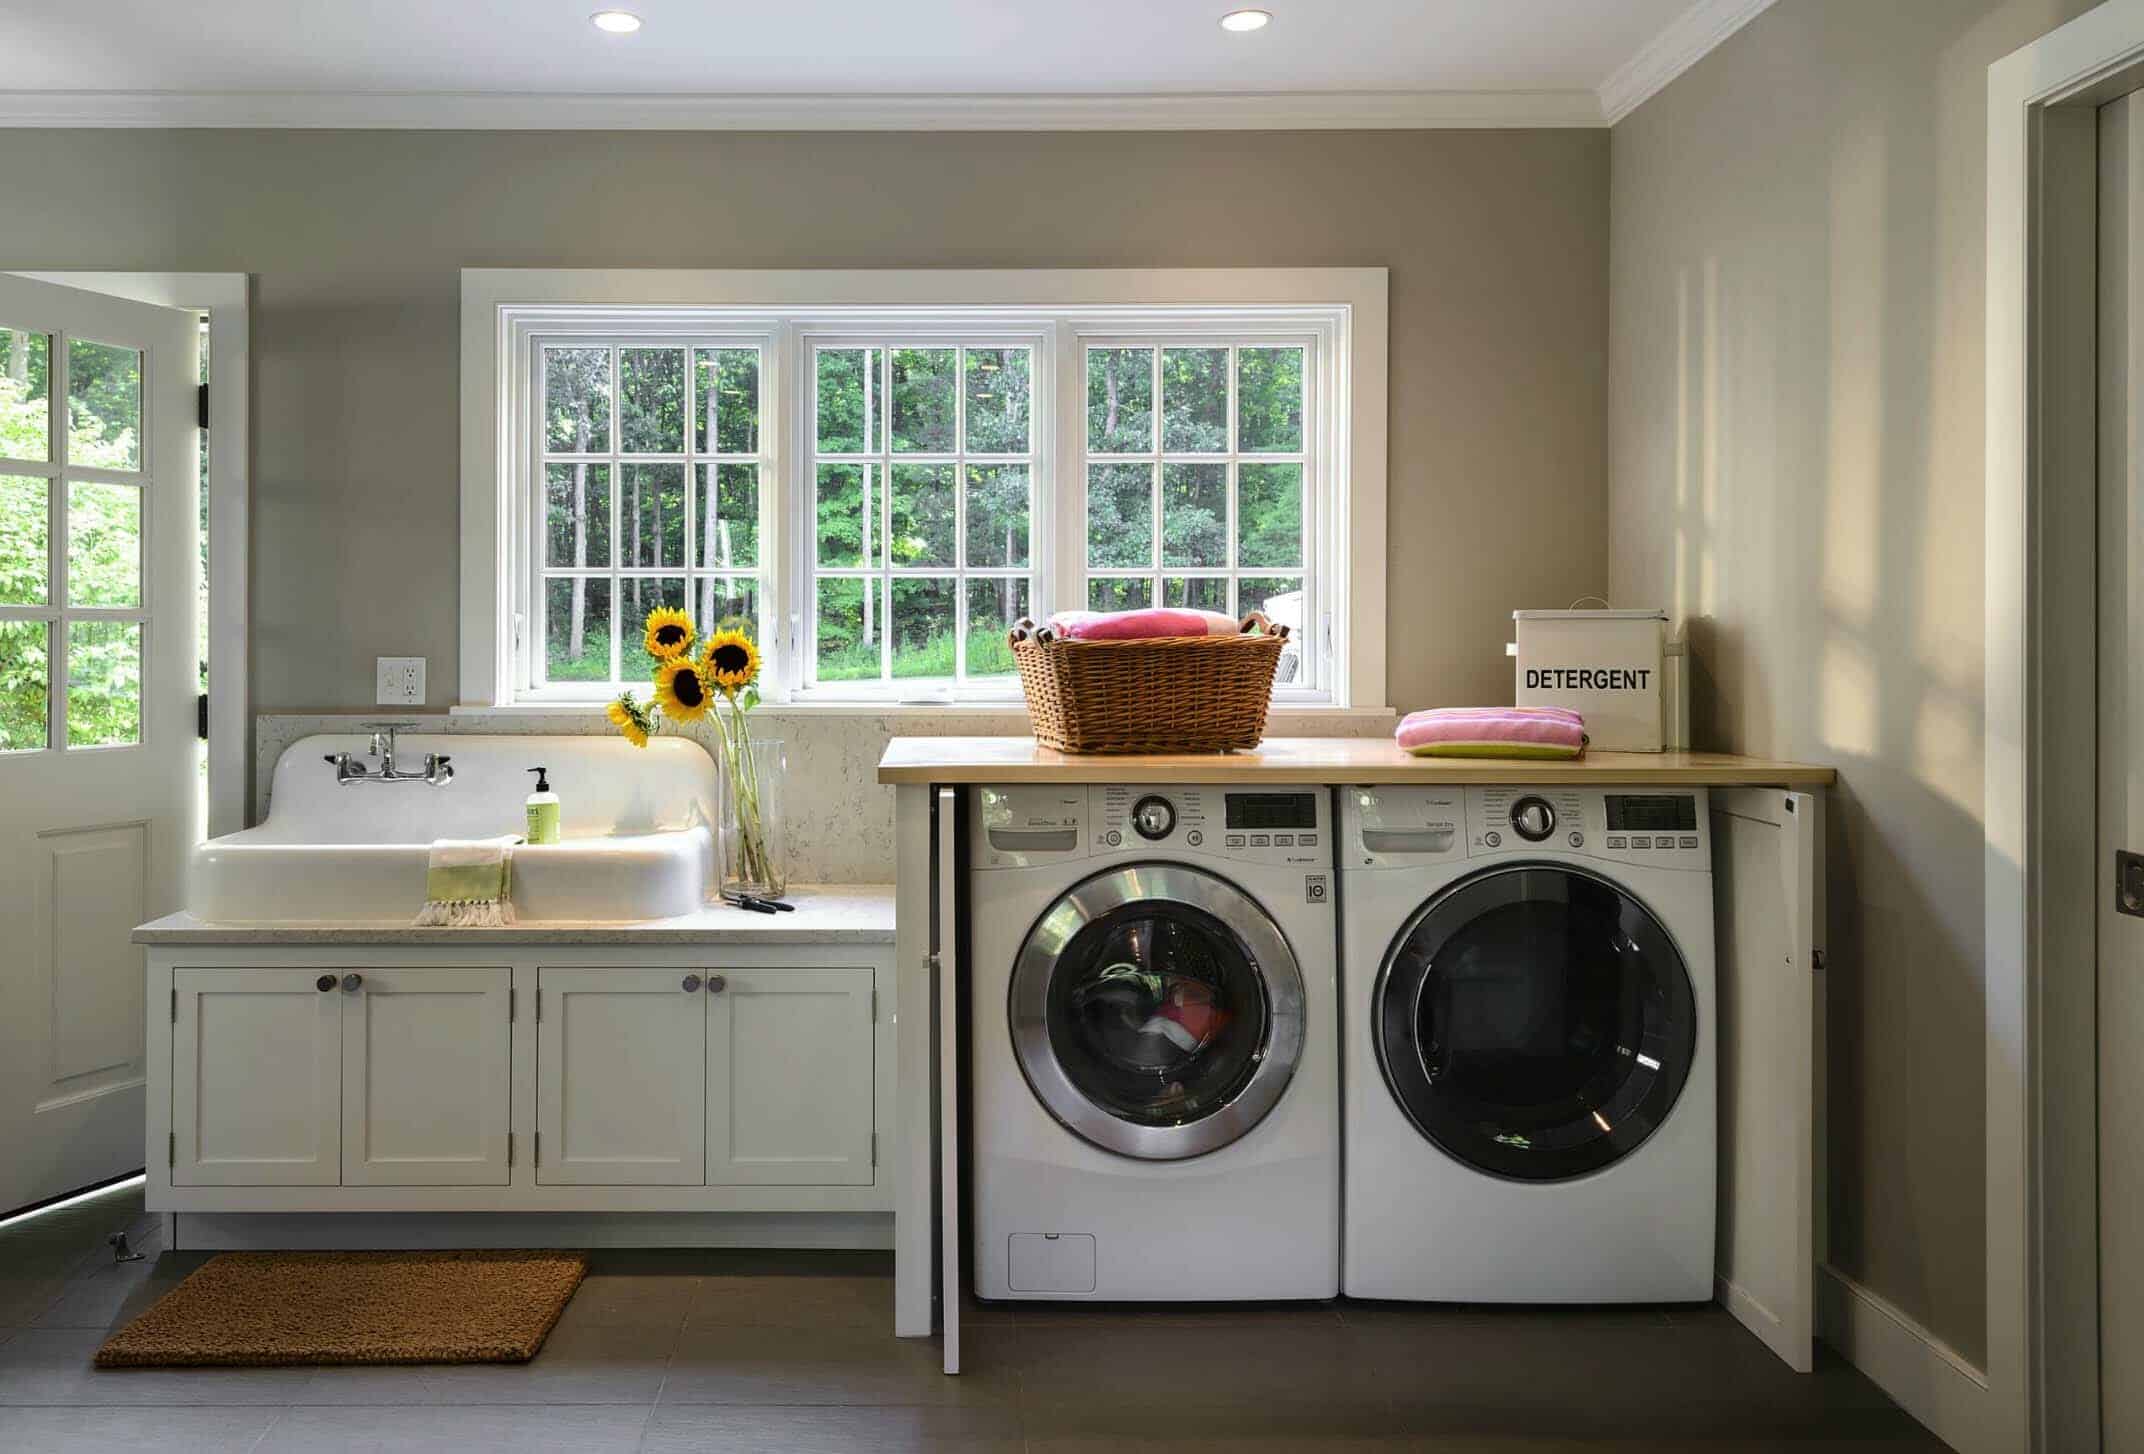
[348, 770]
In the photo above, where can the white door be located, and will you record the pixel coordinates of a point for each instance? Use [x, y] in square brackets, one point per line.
[425, 1077]
[621, 1088]
[98, 480]
[2121, 779]
[777, 1117]
[257, 1084]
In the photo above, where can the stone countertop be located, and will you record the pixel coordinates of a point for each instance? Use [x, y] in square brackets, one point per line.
[1321, 760]
[825, 914]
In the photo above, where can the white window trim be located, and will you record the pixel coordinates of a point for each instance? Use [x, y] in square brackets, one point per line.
[503, 308]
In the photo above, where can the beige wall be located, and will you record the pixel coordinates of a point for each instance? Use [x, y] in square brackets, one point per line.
[1496, 241]
[1795, 463]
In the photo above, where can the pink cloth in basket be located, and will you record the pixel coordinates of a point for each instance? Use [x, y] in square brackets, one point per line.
[1528, 732]
[1141, 625]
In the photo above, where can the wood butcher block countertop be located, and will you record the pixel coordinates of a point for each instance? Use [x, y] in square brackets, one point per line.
[1319, 760]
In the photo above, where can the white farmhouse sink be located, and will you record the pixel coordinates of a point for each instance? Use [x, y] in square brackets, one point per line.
[638, 839]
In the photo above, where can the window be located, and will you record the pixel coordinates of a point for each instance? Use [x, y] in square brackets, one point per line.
[880, 489]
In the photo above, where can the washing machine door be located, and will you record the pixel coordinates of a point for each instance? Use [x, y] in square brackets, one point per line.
[1157, 1011]
[1536, 1022]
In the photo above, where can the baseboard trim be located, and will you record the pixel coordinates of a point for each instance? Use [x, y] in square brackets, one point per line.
[1769, 1328]
[278, 1231]
[1925, 1376]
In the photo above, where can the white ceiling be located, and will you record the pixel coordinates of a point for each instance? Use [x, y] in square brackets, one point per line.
[144, 57]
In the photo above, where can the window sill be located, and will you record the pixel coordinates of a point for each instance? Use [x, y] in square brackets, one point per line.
[1009, 712]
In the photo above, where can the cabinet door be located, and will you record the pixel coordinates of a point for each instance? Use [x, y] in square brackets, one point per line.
[621, 1095]
[425, 1083]
[789, 1078]
[255, 1065]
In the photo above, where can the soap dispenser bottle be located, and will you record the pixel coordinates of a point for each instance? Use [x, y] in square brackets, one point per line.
[543, 810]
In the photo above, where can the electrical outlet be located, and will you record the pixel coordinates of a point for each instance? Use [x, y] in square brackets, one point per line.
[400, 681]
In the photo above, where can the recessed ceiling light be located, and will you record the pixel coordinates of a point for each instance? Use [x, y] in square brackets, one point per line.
[1246, 20]
[617, 22]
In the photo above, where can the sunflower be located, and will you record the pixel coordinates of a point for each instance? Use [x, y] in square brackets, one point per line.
[630, 718]
[670, 633]
[683, 688]
[732, 660]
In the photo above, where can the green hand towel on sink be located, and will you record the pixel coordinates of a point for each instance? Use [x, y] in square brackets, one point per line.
[468, 883]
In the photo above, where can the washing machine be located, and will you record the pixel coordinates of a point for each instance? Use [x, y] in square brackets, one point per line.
[1154, 1043]
[1529, 1021]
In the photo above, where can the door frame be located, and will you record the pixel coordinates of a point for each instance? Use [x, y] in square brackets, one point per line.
[224, 297]
[2040, 696]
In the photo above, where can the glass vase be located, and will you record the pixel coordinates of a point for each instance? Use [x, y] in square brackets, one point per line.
[753, 860]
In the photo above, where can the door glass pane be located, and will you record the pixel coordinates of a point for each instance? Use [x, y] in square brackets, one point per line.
[923, 400]
[922, 628]
[1269, 406]
[1119, 593]
[1120, 515]
[25, 685]
[103, 405]
[998, 400]
[25, 539]
[25, 395]
[1194, 514]
[1194, 400]
[1196, 593]
[1157, 1013]
[997, 514]
[577, 515]
[103, 683]
[728, 384]
[729, 515]
[844, 511]
[577, 630]
[652, 500]
[651, 400]
[993, 606]
[103, 544]
[1120, 400]
[848, 647]
[576, 400]
[852, 414]
[921, 528]
[1269, 515]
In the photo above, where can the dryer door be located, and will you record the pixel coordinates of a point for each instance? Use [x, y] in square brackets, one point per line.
[1157, 1011]
[1535, 1021]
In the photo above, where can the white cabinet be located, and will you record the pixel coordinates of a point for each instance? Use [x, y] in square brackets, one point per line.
[256, 1093]
[426, 1088]
[716, 1077]
[620, 1066]
[320, 1077]
[789, 1077]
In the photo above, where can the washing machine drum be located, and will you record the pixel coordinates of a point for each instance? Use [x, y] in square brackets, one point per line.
[1157, 1011]
[1536, 1022]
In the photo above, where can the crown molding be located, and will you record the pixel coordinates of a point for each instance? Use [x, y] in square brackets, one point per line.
[518, 111]
[1685, 41]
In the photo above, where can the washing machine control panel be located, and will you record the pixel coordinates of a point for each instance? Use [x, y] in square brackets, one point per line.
[1268, 825]
[1397, 826]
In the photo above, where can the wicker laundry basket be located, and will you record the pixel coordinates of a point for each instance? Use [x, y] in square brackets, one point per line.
[1164, 694]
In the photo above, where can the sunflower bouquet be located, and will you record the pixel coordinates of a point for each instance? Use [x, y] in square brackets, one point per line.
[714, 679]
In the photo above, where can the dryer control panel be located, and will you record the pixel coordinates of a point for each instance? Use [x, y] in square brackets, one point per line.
[1389, 827]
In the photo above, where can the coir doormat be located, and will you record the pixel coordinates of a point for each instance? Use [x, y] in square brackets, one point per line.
[249, 1309]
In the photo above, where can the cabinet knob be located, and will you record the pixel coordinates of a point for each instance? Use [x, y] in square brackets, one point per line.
[692, 984]
[325, 983]
[716, 984]
[352, 981]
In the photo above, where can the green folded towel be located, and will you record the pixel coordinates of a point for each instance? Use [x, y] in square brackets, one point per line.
[469, 883]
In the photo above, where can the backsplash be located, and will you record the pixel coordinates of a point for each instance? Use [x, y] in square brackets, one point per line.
[840, 820]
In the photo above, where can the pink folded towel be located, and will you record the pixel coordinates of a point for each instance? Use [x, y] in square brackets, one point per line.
[1531, 732]
[1141, 625]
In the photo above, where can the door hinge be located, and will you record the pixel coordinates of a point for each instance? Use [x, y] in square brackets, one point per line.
[874, 1148]
[509, 1150]
[536, 1150]
[174, 1004]
[539, 1004]
[874, 1004]
[201, 716]
[509, 1007]
[201, 406]
[171, 1148]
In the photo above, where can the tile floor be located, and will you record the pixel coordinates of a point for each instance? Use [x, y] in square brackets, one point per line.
[730, 1351]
